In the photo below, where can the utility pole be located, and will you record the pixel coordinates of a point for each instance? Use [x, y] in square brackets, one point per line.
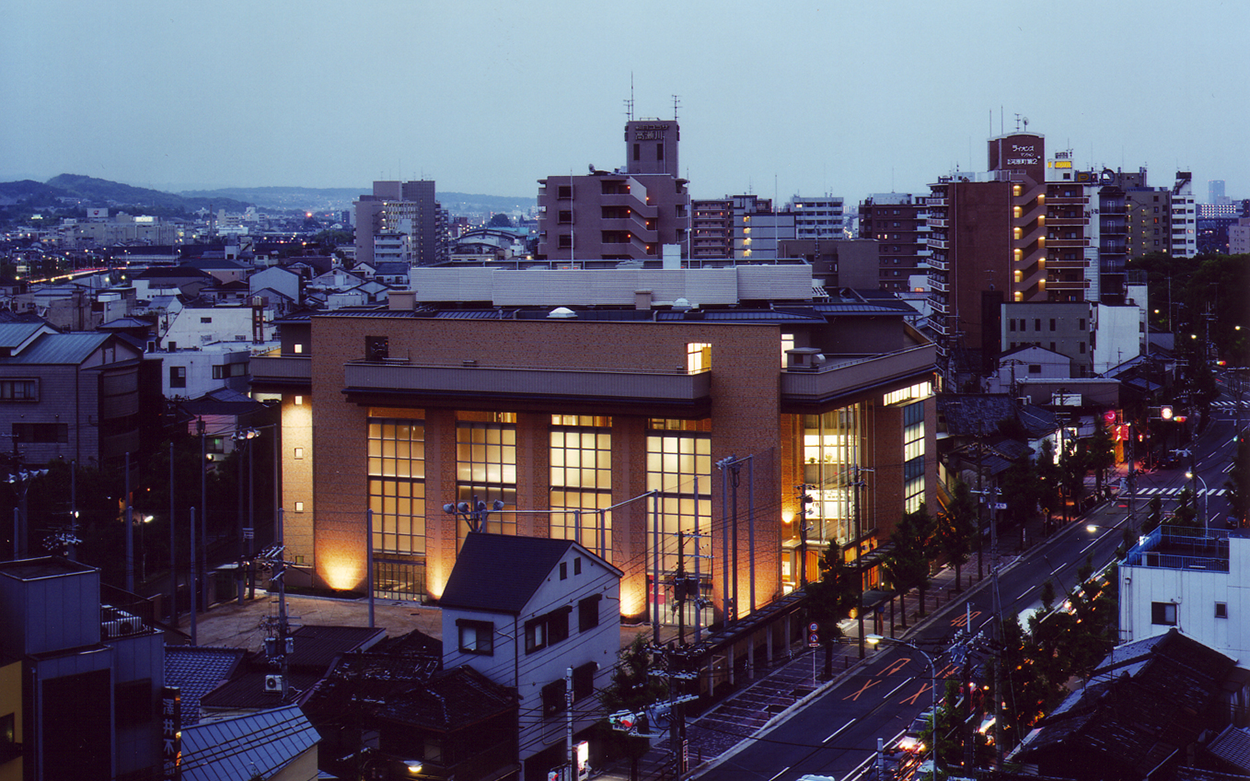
[568, 723]
[173, 558]
[857, 487]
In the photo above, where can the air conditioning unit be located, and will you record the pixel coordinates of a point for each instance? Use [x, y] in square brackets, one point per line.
[274, 684]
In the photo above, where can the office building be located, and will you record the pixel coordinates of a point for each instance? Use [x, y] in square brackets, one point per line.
[578, 418]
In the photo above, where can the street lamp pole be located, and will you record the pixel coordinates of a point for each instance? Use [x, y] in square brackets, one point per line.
[874, 640]
[1194, 476]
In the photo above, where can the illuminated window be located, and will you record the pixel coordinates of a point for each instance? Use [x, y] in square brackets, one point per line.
[698, 357]
[1017, 212]
[1019, 255]
[922, 390]
[581, 479]
[1017, 232]
[299, 348]
[1018, 296]
[831, 449]
[787, 343]
[1015, 190]
[1018, 275]
[913, 457]
[486, 468]
[396, 478]
[679, 461]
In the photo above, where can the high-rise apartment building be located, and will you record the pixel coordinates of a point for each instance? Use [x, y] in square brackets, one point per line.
[816, 217]
[396, 210]
[1215, 191]
[899, 224]
[629, 213]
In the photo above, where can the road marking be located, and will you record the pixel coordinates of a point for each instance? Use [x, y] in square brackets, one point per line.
[963, 618]
[912, 700]
[1055, 571]
[835, 733]
[1095, 541]
[867, 685]
[784, 769]
[893, 691]
[894, 667]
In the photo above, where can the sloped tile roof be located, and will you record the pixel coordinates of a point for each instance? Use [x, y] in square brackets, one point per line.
[256, 744]
[197, 671]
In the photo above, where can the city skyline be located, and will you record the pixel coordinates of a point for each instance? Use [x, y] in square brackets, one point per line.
[489, 98]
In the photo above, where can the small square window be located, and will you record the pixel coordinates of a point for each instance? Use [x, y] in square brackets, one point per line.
[1221, 610]
[299, 453]
[299, 507]
[1163, 613]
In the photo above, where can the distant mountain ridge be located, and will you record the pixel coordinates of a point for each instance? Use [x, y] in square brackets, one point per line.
[116, 195]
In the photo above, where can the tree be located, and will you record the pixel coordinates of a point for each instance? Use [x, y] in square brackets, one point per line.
[1099, 454]
[907, 565]
[831, 598]
[955, 529]
[633, 688]
[1020, 492]
[1049, 481]
[1072, 472]
[1186, 512]
[1154, 514]
[499, 220]
[1238, 483]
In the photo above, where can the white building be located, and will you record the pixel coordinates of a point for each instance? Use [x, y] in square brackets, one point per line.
[198, 326]
[817, 217]
[522, 611]
[1200, 585]
[191, 373]
[1184, 217]
[1117, 335]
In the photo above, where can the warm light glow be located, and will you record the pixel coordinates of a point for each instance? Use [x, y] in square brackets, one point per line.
[633, 597]
[787, 515]
[344, 573]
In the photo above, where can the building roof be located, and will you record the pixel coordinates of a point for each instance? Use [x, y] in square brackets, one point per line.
[1233, 747]
[451, 700]
[479, 582]
[197, 671]
[256, 745]
[316, 647]
[70, 349]
[12, 335]
[974, 414]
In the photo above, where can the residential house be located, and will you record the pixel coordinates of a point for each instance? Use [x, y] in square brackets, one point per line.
[523, 611]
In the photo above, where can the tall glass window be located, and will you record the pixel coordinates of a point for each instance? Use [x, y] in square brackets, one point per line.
[396, 475]
[486, 468]
[679, 460]
[913, 456]
[832, 450]
[581, 479]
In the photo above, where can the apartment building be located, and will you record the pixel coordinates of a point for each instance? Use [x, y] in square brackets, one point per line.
[898, 222]
[401, 221]
[628, 213]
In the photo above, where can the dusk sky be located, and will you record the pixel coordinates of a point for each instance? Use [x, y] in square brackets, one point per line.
[846, 98]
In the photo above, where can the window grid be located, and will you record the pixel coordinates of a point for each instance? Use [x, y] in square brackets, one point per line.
[397, 484]
[913, 455]
[486, 469]
[581, 479]
[674, 460]
[832, 447]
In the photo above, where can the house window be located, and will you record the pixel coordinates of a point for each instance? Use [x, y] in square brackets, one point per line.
[1163, 613]
[553, 699]
[564, 570]
[486, 468]
[577, 565]
[1035, 368]
[1037, 324]
[547, 630]
[698, 357]
[1052, 323]
[1221, 610]
[177, 376]
[1011, 324]
[19, 390]
[584, 681]
[476, 637]
[588, 613]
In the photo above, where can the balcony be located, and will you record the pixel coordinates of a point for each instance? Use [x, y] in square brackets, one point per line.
[1066, 243]
[938, 243]
[846, 378]
[369, 382]
[281, 371]
[1067, 222]
[1059, 200]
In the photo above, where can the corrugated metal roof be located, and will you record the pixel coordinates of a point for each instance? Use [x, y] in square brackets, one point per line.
[13, 334]
[59, 349]
[196, 671]
[249, 746]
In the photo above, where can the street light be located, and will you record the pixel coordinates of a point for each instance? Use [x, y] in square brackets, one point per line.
[1191, 476]
[474, 514]
[21, 483]
[874, 640]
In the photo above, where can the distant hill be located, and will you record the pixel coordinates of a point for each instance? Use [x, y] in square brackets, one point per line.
[338, 198]
[116, 194]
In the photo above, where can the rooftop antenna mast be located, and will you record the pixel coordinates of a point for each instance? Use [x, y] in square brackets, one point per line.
[676, 105]
[629, 104]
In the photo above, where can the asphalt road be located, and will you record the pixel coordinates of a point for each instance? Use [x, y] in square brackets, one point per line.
[836, 733]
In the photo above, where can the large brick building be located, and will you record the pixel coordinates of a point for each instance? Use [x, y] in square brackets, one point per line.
[597, 421]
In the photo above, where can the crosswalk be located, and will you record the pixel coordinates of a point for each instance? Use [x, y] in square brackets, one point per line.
[1176, 491]
[1226, 406]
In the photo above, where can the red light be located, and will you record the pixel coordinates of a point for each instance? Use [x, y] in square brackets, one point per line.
[1181, 418]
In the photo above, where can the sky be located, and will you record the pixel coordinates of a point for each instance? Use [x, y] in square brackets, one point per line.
[846, 98]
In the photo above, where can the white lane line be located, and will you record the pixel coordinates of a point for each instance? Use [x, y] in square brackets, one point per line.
[836, 731]
[784, 769]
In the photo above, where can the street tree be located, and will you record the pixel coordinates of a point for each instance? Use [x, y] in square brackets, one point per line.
[956, 528]
[1238, 483]
[1099, 455]
[1154, 514]
[830, 599]
[1049, 481]
[634, 686]
[1072, 471]
[907, 564]
[1020, 493]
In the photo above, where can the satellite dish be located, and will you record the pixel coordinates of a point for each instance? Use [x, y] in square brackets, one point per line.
[1026, 124]
[592, 168]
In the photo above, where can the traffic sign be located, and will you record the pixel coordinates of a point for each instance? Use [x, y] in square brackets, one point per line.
[813, 627]
[813, 640]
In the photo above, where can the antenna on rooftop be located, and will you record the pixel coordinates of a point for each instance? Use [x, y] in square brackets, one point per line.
[676, 105]
[629, 104]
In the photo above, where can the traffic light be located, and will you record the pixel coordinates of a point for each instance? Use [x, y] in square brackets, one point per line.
[1165, 412]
